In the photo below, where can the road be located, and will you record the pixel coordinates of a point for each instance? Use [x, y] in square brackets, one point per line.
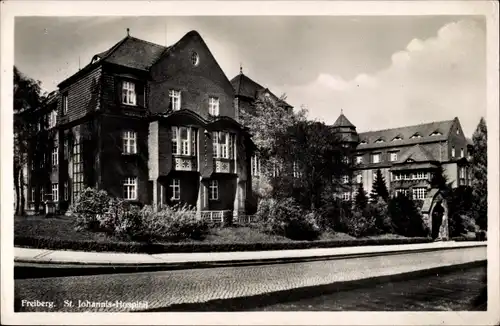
[171, 289]
[460, 290]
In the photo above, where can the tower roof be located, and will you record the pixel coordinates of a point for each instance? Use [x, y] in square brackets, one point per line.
[342, 121]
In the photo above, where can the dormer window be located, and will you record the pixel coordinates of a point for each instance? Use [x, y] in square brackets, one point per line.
[380, 140]
[417, 135]
[128, 93]
[397, 138]
[363, 142]
[436, 133]
[458, 131]
[96, 58]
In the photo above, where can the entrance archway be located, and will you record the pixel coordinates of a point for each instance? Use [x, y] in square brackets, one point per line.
[435, 214]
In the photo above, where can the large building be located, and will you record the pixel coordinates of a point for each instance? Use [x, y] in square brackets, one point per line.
[408, 156]
[150, 124]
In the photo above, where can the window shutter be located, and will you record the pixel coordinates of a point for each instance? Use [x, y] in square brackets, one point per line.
[118, 90]
[194, 134]
[140, 98]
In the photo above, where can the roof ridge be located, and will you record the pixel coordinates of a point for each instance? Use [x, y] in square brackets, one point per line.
[149, 42]
[404, 127]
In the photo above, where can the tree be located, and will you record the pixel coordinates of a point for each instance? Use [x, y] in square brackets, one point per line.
[312, 158]
[406, 217]
[439, 180]
[27, 96]
[361, 198]
[379, 188]
[480, 174]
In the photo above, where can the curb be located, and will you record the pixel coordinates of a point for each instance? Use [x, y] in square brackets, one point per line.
[38, 269]
[291, 295]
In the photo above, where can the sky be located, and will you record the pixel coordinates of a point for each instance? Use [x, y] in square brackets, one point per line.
[382, 71]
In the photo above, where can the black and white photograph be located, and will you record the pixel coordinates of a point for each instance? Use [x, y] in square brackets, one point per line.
[171, 160]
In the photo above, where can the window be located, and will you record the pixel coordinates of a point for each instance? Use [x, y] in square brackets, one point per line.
[175, 186]
[128, 93]
[195, 58]
[458, 131]
[33, 193]
[436, 133]
[66, 191]
[129, 142]
[397, 138]
[394, 156]
[419, 176]
[184, 141]
[462, 172]
[345, 179]
[419, 193]
[346, 196]
[359, 159]
[130, 188]
[175, 99]
[77, 170]
[255, 164]
[296, 171]
[363, 142]
[223, 144]
[66, 148]
[417, 135]
[52, 119]
[453, 152]
[42, 193]
[374, 176]
[55, 192]
[55, 156]
[402, 192]
[359, 178]
[462, 153]
[213, 106]
[376, 158]
[380, 140]
[214, 190]
[65, 104]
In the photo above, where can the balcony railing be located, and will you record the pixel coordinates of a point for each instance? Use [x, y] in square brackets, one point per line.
[224, 165]
[218, 217]
[185, 163]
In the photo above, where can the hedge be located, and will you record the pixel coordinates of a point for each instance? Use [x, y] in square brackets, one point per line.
[157, 248]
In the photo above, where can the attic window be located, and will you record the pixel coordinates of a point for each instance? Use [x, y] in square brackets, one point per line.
[96, 58]
[363, 142]
[380, 140]
[195, 58]
[417, 135]
[436, 133]
[397, 138]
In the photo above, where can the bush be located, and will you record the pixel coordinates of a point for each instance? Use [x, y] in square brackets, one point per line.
[122, 219]
[406, 217]
[334, 214]
[284, 217]
[89, 207]
[178, 222]
[380, 213]
[360, 224]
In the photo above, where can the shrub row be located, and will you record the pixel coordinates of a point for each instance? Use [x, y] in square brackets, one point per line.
[156, 248]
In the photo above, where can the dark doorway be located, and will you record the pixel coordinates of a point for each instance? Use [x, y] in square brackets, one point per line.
[437, 219]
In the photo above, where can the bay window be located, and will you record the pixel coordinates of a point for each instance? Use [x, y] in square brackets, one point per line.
[184, 141]
[223, 144]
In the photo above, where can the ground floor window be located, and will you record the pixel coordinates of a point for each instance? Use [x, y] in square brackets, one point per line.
[130, 188]
[77, 170]
[66, 190]
[346, 196]
[55, 192]
[33, 192]
[214, 190]
[175, 186]
[419, 193]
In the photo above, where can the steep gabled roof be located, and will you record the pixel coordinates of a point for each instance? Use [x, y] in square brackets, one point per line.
[129, 52]
[342, 121]
[246, 87]
[416, 153]
[425, 130]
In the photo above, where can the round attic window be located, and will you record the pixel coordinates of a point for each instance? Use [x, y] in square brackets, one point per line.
[195, 58]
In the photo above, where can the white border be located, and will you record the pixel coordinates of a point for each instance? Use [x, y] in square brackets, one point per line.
[12, 9]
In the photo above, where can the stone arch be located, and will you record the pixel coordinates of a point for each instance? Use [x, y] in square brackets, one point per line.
[435, 214]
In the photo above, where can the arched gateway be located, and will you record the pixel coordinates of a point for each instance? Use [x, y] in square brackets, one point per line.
[435, 214]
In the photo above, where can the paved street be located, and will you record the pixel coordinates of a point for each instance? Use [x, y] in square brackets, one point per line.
[168, 288]
[460, 290]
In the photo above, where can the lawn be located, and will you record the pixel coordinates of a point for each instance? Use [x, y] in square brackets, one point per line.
[59, 233]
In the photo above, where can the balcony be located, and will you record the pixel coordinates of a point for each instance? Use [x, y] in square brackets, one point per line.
[224, 165]
[185, 163]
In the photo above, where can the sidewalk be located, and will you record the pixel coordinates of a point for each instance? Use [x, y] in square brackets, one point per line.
[40, 256]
